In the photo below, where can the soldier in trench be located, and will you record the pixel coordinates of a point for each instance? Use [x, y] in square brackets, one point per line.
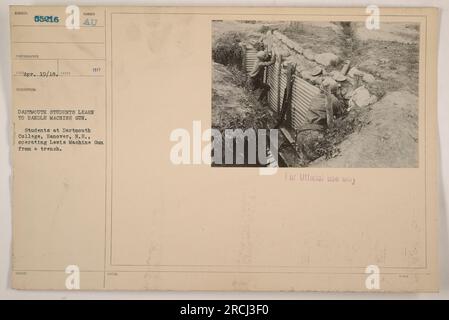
[324, 107]
[257, 73]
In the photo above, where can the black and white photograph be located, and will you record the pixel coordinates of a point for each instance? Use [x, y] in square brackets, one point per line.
[337, 93]
[226, 160]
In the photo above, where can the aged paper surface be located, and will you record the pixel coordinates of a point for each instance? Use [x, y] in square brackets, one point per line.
[104, 198]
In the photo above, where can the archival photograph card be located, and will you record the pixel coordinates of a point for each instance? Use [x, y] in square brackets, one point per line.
[224, 148]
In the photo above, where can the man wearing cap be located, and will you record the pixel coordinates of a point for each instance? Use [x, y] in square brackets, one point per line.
[320, 116]
[257, 73]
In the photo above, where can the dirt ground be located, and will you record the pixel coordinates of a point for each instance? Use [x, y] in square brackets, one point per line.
[391, 53]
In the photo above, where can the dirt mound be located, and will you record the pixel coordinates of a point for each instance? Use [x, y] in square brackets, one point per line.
[233, 107]
[387, 138]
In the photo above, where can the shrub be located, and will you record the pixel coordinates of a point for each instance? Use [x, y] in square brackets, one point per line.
[264, 29]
